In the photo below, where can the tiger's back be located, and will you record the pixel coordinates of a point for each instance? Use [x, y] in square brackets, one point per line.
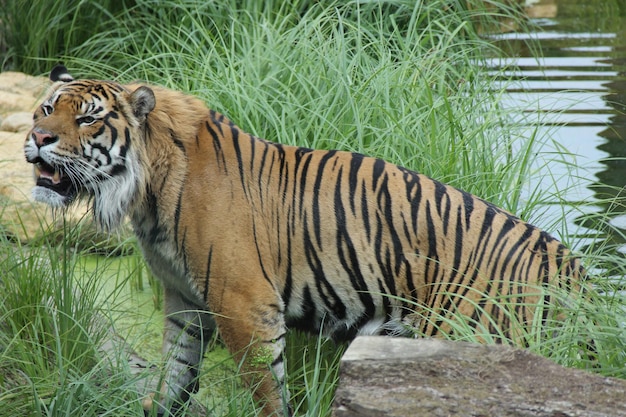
[254, 237]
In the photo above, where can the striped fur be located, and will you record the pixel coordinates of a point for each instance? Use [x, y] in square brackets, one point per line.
[253, 237]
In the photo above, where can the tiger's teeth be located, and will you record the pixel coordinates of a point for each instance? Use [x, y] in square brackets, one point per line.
[56, 178]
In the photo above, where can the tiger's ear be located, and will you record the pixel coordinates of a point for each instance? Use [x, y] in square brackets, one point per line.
[60, 73]
[142, 101]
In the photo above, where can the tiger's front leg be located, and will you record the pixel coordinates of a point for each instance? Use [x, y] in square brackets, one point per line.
[251, 322]
[188, 329]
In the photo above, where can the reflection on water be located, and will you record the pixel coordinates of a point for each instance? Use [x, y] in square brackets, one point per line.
[579, 90]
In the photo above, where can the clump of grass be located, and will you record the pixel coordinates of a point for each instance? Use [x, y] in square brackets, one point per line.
[50, 334]
[313, 371]
[84, 237]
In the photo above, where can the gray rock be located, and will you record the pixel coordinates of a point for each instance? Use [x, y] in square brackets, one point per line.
[17, 122]
[392, 377]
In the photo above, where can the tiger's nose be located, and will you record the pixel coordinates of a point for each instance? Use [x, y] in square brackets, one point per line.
[43, 138]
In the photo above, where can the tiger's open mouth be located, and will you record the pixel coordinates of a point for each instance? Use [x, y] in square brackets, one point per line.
[53, 178]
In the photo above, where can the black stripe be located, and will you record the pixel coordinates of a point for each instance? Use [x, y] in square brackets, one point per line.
[377, 171]
[414, 195]
[177, 212]
[191, 367]
[459, 247]
[278, 360]
[104, 151]
[283, 172]
[303, 157]
[520, 245]
[207, 275]
[319, 177]
[307, 320]
[252, 152]
[500, 240]
[239, 155]
[194, 330]
[127, 143]
[260, 258]
[261, 175]
[286, 295]
[431, 257]
[183, 245]
[217, 147]
[112, 132]
[381, 259]
[179, 144]
[442, 200]
[468, 206]
[386, 300]
[355, 164]
[365, 212]
[190, 329]
[157, 233]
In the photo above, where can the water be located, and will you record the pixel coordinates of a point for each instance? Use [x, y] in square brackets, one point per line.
[579, 91]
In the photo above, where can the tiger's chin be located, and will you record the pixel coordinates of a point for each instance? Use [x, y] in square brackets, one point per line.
[50, 197]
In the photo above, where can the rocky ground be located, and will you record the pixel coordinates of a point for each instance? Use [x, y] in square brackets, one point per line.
[19, 95]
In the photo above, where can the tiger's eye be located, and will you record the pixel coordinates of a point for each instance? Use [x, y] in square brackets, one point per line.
[87, 120]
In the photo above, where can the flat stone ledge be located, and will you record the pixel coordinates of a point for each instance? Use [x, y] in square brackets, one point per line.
[393, 377]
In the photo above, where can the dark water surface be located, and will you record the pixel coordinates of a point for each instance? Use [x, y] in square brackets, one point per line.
[579, 89]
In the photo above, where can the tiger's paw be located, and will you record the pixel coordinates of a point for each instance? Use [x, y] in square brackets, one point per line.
[151, 408]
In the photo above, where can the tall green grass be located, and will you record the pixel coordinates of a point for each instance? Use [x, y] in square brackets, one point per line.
[35, 34]
[398, 79]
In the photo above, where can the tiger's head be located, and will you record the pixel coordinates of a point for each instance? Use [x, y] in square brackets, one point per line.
[84, 143]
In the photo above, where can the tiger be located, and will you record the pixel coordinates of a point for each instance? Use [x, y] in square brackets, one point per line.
[253, 238]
